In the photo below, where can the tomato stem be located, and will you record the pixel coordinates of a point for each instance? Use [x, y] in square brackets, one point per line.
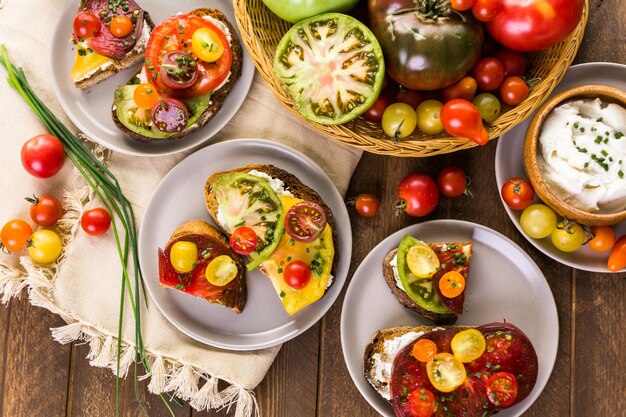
[399, 206]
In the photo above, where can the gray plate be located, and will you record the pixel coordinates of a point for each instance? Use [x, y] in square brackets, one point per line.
[90, 110]
[510, 163]
[180, 197]
[504, 284]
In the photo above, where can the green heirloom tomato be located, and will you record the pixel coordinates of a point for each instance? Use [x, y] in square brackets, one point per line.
[296, 10]
[332, 67]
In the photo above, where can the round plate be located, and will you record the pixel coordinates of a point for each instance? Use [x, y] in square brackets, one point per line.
[90, 110]
[510, 163]
[180, 197]
[504, 285]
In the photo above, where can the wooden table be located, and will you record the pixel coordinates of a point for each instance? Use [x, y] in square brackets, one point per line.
[40, 378]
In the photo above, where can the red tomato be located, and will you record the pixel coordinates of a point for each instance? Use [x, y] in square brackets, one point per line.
[502, 389]
[517, 193]
[513, 91]
[461, 5]
[514, 62]
[297, 274]
[422, 403]
[603, 238]
[418, 195]
[411, 97]
[15, 234]
[461, 118]
[375, 113]
[95, 221]
[121, 26]
[244, 240]
[43, 156]
[305, 221]
[617, 258]
[86, 25]
[465, 89]
[485, 10]
[45, 210]
[532, 25]
[452, 181]
[489, 73]
[366, 205]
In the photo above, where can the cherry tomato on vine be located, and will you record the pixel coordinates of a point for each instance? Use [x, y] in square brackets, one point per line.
[617, 258]
[465, 89]
[603, 238]
[366, 205]
[462, 5]
[95, 221]
[567, 236]
[45, 210]
[422, 403]
[485, 10]
[411, 97]
[513, 90]
[417, 195]
[514, 62]
[244, 240]
[15, 234]
[297, 274]
[375, 113]
[86, 25]
[502, 389]
[424, 350]
[43, 156]
[517, 193]
[489, 73]
[399, 120]
[461, 118]
[452, 182]
[121, 26]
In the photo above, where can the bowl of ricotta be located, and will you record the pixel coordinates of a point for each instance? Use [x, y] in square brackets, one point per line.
[575, 154]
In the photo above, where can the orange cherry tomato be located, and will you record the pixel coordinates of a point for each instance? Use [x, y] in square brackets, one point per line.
[422, 403]
[15, 235]
[603, 239]
[121, 26]
[145, 96]
[465, 89]
[502, 389]
[424, 350]
[617, 258]
[452, 284]
[461, 5]
[461, 118]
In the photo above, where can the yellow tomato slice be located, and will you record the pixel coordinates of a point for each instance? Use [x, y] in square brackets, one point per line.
[445, 372]
[221, 270]
[424, 350]
[183, 256]
[468, 345]
[422, 260]
[207, 45]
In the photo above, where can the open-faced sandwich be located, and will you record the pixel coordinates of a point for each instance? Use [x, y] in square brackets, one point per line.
[429, 278]
[109, 36]
[198, 260]
[282, 226]
[451, 372]
[192, 62]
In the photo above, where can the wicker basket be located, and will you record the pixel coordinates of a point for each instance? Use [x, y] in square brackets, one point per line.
[262, 30]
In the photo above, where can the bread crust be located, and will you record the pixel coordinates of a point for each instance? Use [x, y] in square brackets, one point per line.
[217, 98]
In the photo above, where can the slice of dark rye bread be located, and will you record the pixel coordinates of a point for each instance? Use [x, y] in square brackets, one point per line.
[217, 97]
[292, 184]
[135, 56]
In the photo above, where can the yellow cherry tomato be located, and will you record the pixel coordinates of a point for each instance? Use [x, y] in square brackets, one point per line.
[422, 260]
[221, 270]
[145, 96]
[121, 26]
[424, 350]
[428, 117]
[446, 372]
[45, 247]
[207, 45]
[183, 256]
[468, 345]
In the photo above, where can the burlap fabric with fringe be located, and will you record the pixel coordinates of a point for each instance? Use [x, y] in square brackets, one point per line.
[83, 287]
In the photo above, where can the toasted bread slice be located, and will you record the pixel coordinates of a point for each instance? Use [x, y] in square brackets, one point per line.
[217, 97]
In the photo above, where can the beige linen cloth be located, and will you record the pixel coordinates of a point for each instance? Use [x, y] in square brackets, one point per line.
[84, 286]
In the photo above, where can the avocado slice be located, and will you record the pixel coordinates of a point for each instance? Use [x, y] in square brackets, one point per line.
[420, 290]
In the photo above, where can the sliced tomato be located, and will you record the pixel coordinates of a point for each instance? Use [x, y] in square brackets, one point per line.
[175, 34]
[502, 389]
[424, 350]
[305, 221]
[422, 403]
[244, 240]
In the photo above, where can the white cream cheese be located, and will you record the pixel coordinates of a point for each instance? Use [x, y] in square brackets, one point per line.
[394, 266]
[331, 278]
[277, 185]
[583, 155]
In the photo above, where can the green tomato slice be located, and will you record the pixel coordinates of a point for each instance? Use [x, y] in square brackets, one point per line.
[246, 200]
[332, 66]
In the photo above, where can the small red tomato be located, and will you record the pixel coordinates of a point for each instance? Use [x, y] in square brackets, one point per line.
[517, 193]
[375, 113]
[603, 238]
[617, 258]
[514, 62]
[297, 274]
[461, 5]
[502, 389]
[489, 73]
[366, 205]
[417, 195]
[95, 221]
[15, 234]
[244, 240]
[462, 119]
[45, 210]
[411, 97]
[485, 10]
[452, 182]
[421, 402]
[86, 25]
[43, 156]
[513, 91]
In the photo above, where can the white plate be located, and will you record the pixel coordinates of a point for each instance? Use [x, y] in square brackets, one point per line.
[504, 285]
[510, 163]
[90, 110]
[180, 197]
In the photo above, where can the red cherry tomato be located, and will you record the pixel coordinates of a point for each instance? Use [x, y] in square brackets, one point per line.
[462, 5]
[86, 25]
[603, 238]
[375, 113]
[297, 274]
[465, 89]
[411, 97]
[502, 389]
[95, 221]
[514, 62]
[422, 403]
[485, 10]
[452, 181]
[513, 91]
[45, 210]
[617, 258]
[43, 156]
[489, 73]
[15, 235]
[305, 221]
[366, 205]
[121, 26]
[461, 118]
[244, 240]
[517, 193]
[417, 195]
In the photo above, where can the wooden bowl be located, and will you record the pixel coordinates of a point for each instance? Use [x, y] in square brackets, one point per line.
[543, 190]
